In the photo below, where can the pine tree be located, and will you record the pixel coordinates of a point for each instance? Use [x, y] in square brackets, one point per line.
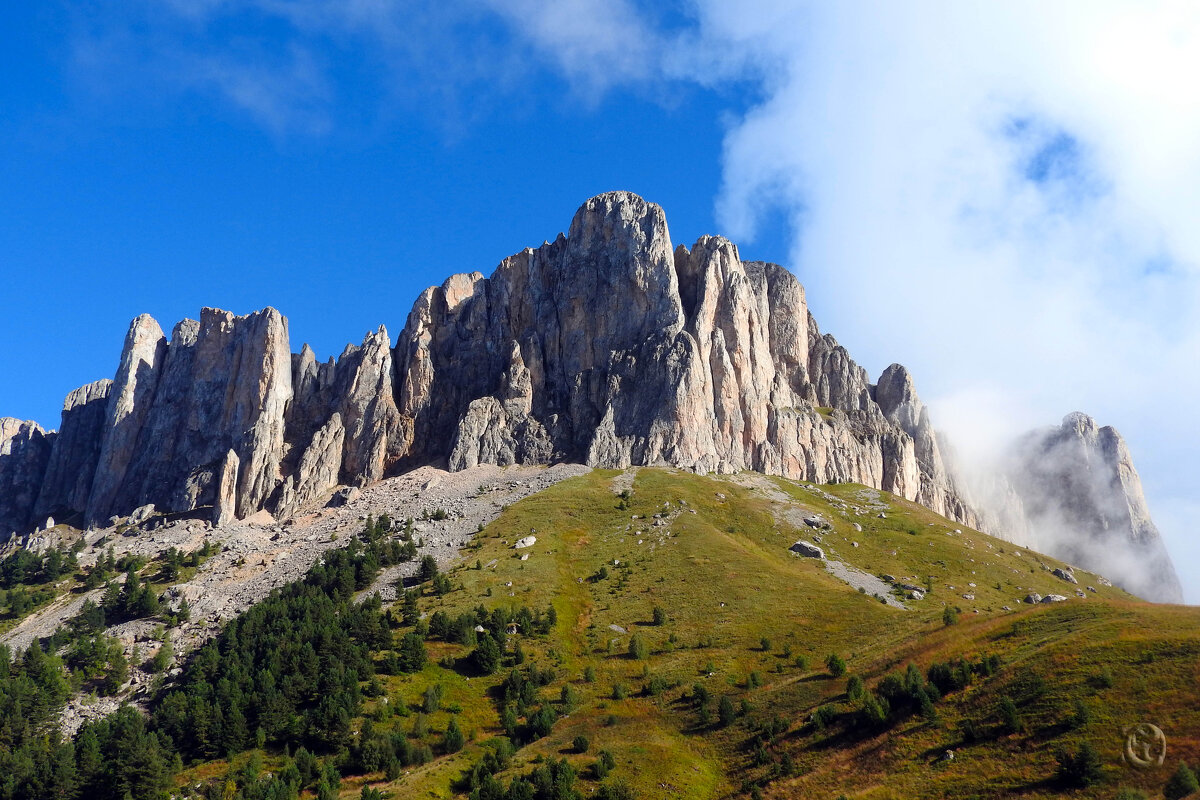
[412, 652]
[410, 612]
[486, 656]
[1181, 784]
[453, 740]
[726, 712]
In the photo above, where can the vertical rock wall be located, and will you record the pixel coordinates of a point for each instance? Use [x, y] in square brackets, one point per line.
[608, 346]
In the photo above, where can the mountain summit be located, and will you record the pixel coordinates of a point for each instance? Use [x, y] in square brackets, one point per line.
[607, 346]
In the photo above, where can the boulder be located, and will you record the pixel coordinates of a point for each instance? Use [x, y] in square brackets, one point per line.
[347, 495]
[807, 549]
[1053, 598]
[525, 541]
[1033, 598]
[1065, 575]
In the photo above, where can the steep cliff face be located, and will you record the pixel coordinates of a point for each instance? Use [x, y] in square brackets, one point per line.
[67, 483]
[222, 383]
[611, 347]
[24, 453]
[607, 346]
[129, 402]
[1083, 502]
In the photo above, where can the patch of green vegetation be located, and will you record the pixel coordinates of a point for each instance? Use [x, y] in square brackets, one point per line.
[665, 642]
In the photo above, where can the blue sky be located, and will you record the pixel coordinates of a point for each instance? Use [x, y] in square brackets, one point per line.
[130, 188]
[1000, 196]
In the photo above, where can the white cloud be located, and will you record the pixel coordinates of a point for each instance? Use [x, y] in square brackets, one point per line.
[1000, 195]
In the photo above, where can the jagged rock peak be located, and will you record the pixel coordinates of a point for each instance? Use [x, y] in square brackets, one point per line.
[24, 453]
[608, 346]
[67, 483]
[1084, 503]
[129, 403]
[611, 347]
[896, 394]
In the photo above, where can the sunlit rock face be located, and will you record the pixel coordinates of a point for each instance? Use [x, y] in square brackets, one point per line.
[613, 347]
[609, 346]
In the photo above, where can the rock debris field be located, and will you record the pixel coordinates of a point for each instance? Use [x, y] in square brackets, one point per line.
[259, 554]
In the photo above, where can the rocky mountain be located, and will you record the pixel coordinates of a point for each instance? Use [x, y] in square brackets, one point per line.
[608, 346]
[1082, 501]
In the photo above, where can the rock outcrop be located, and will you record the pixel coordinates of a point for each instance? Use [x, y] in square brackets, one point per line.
[609, 346]
[129, 402]
[318, 469]
[24, 454]
[223, 383]
[225, 502]
[67, 482]
[1083, 503]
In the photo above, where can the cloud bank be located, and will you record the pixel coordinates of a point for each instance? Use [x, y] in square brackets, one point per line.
[1002, 196]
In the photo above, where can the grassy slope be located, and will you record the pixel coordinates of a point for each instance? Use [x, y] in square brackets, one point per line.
[726, 579]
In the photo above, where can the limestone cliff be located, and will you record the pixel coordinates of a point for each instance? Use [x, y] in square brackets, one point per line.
[24, 453]
[71, 468]
[608, 346]
[612, 347]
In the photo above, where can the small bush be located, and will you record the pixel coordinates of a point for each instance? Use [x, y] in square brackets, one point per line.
[1010, 717]
[581, 744]
[638, 648]
[659, 616]
[1082, 715]
[725, 711]
[836, 665]
[1125, 793]
[1102, 679]
[823, 717]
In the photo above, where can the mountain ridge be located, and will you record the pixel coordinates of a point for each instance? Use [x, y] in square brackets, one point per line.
[608, 346]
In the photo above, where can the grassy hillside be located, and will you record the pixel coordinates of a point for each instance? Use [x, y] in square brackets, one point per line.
[741, 617]
[658, 639]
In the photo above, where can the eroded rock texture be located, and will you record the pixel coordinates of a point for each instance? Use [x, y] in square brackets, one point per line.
[608, 346]
[611, 347]
[67, 483]
[24, 453]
